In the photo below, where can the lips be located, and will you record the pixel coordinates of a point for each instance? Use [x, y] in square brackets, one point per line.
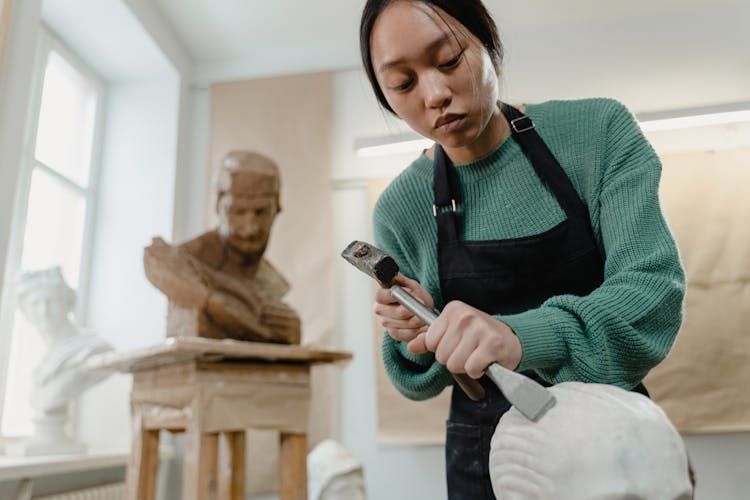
[449, 120]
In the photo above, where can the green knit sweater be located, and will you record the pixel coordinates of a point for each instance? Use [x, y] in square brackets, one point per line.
[616, 334]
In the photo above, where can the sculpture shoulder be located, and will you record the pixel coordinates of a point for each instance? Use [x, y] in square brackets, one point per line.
[71, 354]
[207, 247]
[271, 279]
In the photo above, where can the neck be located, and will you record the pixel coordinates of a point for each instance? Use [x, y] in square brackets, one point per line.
[492, 136]
[59, 334]
[248, 263]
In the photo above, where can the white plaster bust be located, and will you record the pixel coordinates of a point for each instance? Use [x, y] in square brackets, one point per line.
[334, 473]
[598, 442]
[46, 300]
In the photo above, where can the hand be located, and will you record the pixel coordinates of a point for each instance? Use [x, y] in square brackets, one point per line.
[396, 319]
[467, 340]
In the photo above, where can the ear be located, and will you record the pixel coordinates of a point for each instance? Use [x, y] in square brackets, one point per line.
[498, 68]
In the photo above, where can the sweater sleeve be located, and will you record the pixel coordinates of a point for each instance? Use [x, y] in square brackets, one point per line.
[627, 325]
[416, 376]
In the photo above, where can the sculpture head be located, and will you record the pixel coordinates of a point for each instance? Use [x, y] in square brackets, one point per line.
[45, 299]
[247, 201]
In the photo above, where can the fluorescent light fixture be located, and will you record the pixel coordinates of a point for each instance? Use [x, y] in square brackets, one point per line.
[696, 121]
[391, 145]
[410, 142]
[696, 117]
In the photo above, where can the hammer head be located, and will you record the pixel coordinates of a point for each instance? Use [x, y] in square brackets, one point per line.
[371, 261]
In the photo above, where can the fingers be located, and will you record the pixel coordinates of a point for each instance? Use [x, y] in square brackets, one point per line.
[457, 361]
[467, 340]
[477, 362]
[399, 321]
[393, 311]
[415, 289]
[383, 296]
[406, 334]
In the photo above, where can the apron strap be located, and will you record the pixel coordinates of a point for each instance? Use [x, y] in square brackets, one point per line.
[545, 164]
[447, 192]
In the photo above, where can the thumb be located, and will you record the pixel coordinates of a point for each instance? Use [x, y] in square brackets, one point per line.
[402, 280]
[417, 345]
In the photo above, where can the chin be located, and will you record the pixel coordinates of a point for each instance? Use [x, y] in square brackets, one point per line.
[248, 247]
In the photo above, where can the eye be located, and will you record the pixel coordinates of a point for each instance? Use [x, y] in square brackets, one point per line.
[403, 86]
[453, 62]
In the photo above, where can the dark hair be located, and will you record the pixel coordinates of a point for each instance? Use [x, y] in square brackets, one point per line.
[470, 13]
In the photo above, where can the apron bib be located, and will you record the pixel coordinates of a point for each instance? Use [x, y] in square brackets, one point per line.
[506, 277]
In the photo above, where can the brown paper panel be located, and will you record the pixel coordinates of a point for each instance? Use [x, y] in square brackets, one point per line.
[288, 119]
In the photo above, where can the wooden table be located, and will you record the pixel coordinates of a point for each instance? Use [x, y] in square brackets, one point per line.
[213, 390]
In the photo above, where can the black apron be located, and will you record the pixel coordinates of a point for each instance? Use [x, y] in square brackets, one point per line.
[506, 277]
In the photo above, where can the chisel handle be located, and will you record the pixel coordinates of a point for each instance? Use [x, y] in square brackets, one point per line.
[471, 387]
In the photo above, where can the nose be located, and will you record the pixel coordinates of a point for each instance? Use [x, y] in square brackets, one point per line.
[437, 92]
[249, 226]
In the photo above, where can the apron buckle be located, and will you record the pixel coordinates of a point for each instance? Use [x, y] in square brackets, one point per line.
[434, 207]
[523, 126]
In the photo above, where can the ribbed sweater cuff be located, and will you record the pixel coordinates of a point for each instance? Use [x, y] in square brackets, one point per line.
[539, 333]
[416, 376]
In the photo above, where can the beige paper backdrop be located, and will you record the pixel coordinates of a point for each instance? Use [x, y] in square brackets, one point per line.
[703, 383]
[289, 120]
[5, 10]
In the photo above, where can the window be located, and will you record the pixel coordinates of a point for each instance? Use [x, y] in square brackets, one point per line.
[53, 213]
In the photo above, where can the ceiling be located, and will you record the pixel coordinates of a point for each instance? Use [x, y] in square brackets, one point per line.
[660, 53]
[653, 54]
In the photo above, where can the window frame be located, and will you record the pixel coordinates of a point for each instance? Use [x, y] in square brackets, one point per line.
[48, 42]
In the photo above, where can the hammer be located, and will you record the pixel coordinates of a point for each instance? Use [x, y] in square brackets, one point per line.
[530, 398]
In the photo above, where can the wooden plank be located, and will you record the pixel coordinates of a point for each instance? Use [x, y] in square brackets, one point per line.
[180, 349]
[157, 417]
[189, 372]
[293, 467]
[143, 466]
[168, 374]
[242, 406]
[231, 475]
[199, 480]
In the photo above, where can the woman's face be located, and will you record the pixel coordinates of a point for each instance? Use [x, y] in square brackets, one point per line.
[435, 74]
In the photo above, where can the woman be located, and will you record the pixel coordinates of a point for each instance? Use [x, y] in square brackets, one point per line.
[538, 236]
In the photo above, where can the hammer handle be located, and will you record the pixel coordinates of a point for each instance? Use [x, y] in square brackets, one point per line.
[471, 387]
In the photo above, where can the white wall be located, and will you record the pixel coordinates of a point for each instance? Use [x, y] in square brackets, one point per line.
[135, 202]
[721, 462]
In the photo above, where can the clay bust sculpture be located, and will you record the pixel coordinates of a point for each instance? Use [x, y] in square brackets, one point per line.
[218, 284]
[598, 442]
[47, 301]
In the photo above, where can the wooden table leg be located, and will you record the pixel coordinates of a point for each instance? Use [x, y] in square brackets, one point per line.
[199, 471]
[293, 466]
[144, 462]
[232, 466]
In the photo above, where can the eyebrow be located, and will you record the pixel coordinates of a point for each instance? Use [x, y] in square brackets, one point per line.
[431, 46]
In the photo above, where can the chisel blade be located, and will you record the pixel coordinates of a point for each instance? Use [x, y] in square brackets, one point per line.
[529, 397]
